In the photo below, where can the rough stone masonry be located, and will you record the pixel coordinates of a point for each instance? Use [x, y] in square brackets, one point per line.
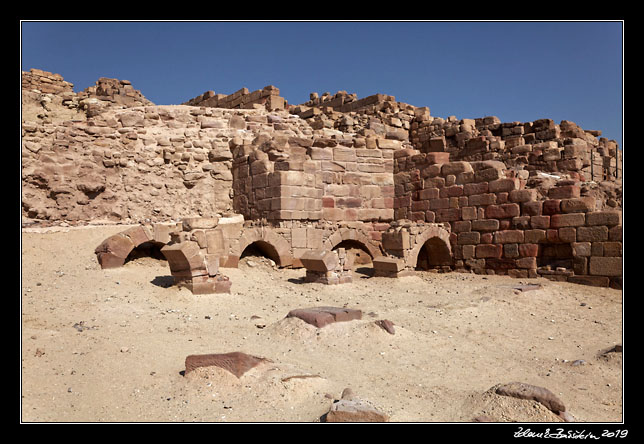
[223, 172]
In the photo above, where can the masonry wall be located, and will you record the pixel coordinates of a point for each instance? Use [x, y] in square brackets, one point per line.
[267, 98]
[541, 145]
[498, 224]
[335, 179]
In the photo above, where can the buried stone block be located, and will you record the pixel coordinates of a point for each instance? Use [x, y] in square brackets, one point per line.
[113, 251]
[385, 266]
[236, 363]
[322, 316]
[531, 392]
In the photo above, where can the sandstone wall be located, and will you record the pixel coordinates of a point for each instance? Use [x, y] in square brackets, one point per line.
[267, 98]
[129, 165]
[499, 224]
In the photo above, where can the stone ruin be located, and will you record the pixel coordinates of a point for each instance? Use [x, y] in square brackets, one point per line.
[307, 184]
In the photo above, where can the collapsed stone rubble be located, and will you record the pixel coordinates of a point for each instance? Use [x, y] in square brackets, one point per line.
[220, 173]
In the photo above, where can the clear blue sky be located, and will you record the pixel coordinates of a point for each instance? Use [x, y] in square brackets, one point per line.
[517, 71]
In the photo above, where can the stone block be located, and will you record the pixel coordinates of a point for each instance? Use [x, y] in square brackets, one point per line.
[520, 196]
[609, 218]
[567, 220]
[236, 363]
[199, 223]
[540, 222]
[354, 410]
[564, 192]
[605, 266]
[485, 225]
[502, 185]
[388, 264]
[323, 316]
[482, 199]
[508, 236]
[455, 168]
[468, 238]
[578, 205]
[320, 260]
[113, 251]
[596, 233]
[298, 237]
[503, 211]
[484, 251]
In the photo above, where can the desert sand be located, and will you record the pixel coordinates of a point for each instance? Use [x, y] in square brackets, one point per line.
[110, 345]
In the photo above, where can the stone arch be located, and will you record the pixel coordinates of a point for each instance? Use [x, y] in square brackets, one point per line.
[436, 239]
[355, 237]
[268, 240]
[114, 251]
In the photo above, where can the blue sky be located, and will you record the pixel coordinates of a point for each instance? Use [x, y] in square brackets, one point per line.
[517, 71]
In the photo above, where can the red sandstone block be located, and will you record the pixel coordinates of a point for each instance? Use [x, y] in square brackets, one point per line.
[320, 260]
[534, 236]
[322, 316]
[609, 218]
[540, 222]
[578, 205]
[437, 158]
[451, 191]
[448, 214]
[528, 250]
[482, 199]
[502, 211]
[489, 251]
[236, 363]
[597, 233]
[568, 234]
[469, 213]
[469, 238]
[475, 188]
[564, 192]
[527, 262]
[388, 264]
[508, 236]
[567, 220]
[421, 205]
[551, 206]
[552, 235]
[440, 203]
[532, 208]
[328, 202]
[485, 225]
[605, 266]
[523, 195]
[429, 193]
[501, 185]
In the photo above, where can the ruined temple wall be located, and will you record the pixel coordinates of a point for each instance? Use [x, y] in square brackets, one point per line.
[45, 82]
[541, 145]
[499, 224]
[266, 98]
[129, 165]
[346, 179]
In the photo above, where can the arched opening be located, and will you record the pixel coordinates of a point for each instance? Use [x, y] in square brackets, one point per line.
[435, 255]
[259, 253]
[146, 250]
[360, 254]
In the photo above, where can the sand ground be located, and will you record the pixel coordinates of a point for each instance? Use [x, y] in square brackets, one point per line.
[110, 345]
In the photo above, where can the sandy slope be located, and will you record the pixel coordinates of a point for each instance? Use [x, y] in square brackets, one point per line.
[109, 345]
